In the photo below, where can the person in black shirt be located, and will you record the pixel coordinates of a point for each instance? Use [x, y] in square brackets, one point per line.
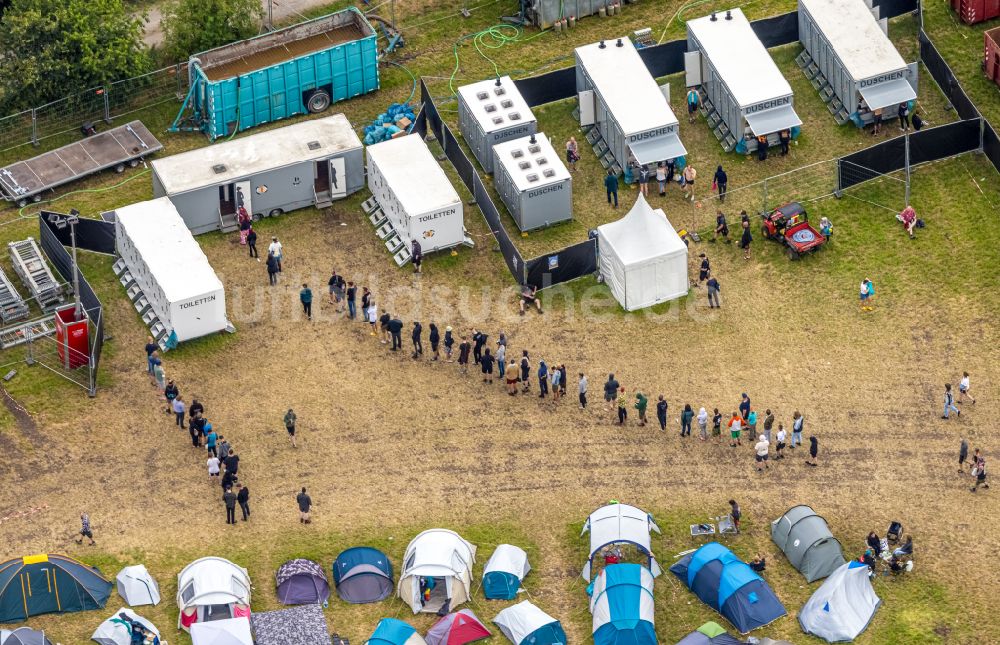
[196, 408]
[252, 243]
[611, 390]
[305, 503]
[416, 256]
[232, 462]
[229, 497]
[396, 331]
[435, 338]
[352, 292]
[449, 342]
[525, 371]
[705, 269]
[418, 347]
[917, 122]
[744, 406]
[784, 137]
[721, 227]
[383, 323]
[463, 355]
[734, 512]
[721, 181]
[170, 393]
[243, 499]
[762, 146]
[661, 412]
[487, 361]
[713, 292]
[272, 269]
[759, 563]
[479, 338]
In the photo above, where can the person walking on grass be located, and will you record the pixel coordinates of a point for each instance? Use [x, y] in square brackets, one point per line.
[661, 412]
[703, 424]
[272, 269]
[692, 100]
[949, 402]
[525, 372]
[85, 530]
[611, 186]
[572, 153]
[780, 446]
[686, 416]
[735, 426]
[760, 452]
[963, 389]
[252, 243]
[641, 401]
[717, 426]
[705, 270]
[290, 425]
[979, 472]
[243, 499]
[720, 182]
[582, 391]
[745, 239]
[416, 256]
[963, 454]
[501, 357]
[395, 327]
[435, 337]
[556, 380]
[486, 361]
[713, 292]
[304, 502]
[611, 390]
[813, 451]
[688, 175]
[543, 379]
[352, 295]
[797, 422]
[179, 410]
[229, 498]
[449, 343]
[735, 514]
[306, 298]
[463, 355]
[418, 346]
[622, 406]
[275, 249]
[170, 393]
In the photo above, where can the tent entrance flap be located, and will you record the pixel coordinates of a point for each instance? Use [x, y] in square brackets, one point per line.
[773, 120]
[659, 149]
[888, 94]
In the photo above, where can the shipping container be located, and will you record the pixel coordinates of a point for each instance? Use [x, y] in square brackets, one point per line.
[299, 69]
[490, 112]
[621, 99]
[856, 64]
[739, 78]
[533, 182]
[544, 13]
[973, 11]
[311, 163]
[991, 55]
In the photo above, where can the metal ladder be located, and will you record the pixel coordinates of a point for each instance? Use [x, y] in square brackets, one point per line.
[34, 272]
[12, 305]
[18, 334]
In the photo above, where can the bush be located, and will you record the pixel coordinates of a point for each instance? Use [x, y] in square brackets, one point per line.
[192, 26]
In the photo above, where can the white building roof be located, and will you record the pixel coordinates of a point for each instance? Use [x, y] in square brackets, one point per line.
[256, 153]
[413, 174]
[531, 165]
[856, 36]
[625, 86]
[169, 250]
[496, 107]
[740, 58]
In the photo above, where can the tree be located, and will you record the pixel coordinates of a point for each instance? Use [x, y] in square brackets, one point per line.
[193, 26]
[53, 48]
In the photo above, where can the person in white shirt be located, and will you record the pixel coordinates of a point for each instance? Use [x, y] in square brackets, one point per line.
[274, 248]
[761, 450]
[213, 468]
[779, 449]
[963, 389]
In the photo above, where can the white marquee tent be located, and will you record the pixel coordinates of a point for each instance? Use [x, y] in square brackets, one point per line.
[843, 605]
[137, 587]
[642, 259]
[231, 631]
[620, 523]
[442, 558]
[212, 587]
[117, 631]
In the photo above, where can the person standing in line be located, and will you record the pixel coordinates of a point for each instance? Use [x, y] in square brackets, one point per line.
[463, 355]
[661, 178]
[418, 346]
[904, 116]
[383, 325]
[243, 499]
[622, 406]
[306, 298]
[512, 378]
[641, 401]
[813, 451]
[339, 291]
[744, 407]
[752, 423]
[159, 376]
[556, 380]
[963, 454]
[610, 390]
[396, 333]
[703, 424]
[194, 429]
[745, 239]
[611, 185]
[416, 256]
[693, 99]
[735, 514]
[272, 269]
[85, 530]
[213, 467]
[735, 426]
[797, 422]
[196, 408]
[486, 361]
[331, 288]
[713, 292]
[572, 153]
[780, 447]
[211, 437]
[179, 410]
[479, 340]
[229, 498]
[501, 356]
[232, 461]
[761, 449]
[449, 343]
[661, 412]
[371, 310]
[525, 372]
[151, 348]
[717, 426]
[543, 379]
[949, 402]
[222, 449]
[582, 390]
[170, 392]
[720, 182]
[768, 424]
[304, 503]
[689, 175]
[686, 416]
[435, 337]
[290, 425]
[963, 389]
[563, 379]
[705, 270]
[352, 293]
[644, 180]
[275, 249]
[785, 138]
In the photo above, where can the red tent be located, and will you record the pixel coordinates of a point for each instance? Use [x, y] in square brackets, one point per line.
[457, 628]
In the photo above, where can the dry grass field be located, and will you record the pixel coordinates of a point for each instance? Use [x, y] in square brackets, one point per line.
[390, 446]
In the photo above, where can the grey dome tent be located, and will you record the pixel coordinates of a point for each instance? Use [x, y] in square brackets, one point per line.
[363, 574]
[301, 582]
[805, 539]
[23, 636]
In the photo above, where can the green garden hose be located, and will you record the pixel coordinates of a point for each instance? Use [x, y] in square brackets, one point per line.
[493, 37]
[20, 212]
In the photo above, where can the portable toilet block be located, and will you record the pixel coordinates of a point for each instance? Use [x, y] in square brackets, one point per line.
[490, 112]
[621, 99]
[741, 81]
[533, 182]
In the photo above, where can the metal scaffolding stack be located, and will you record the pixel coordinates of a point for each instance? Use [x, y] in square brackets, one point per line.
[12, 305]
[34, 272]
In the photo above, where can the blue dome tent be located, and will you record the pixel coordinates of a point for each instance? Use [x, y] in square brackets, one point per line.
[362, 574]
[391, 631]
[622, 606]
[504, 571]
[43, 584]
[730, 586]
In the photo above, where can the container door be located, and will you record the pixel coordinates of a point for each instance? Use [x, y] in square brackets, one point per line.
[227, 203]
[338, 178]
[244, 207]
[586, 98]
[321, 186]
[692, 69]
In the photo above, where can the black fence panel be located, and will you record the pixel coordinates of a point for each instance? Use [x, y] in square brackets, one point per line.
[777, 30]
[562, 266]
[548, 88]
[511, 256]
[991, 144]
[893, 8]
[944, 141]
[665, 59]
[888, 156]
[944, 77]
[91, 234]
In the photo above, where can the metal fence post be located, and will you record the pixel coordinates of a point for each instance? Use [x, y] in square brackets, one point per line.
[30, 358]
[34, 127]
[763, 206]
[107, 105]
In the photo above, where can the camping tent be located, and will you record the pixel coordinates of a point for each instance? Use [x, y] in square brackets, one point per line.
[43, 584]
[642, 259]
[806, 541]
[710, 634]
[526, 624]
[622, 605]
[619, 523]
[457, 628]
[212, 589]
[23, 636]
[438, 563]
[390, 631]
[302, 625]
[137, 587]
[730, 586]
[301, 582]
[362, 574]
[504, 572]
[229, 631]
[843, 605]
[117, 630]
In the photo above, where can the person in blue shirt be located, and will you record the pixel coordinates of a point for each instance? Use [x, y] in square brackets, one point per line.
[543, 379]
[692, 103]
[611, 183]
[306, 298]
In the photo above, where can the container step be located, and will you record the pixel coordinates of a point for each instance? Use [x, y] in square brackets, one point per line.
[593, 136]
[394, 243]
[118, 266]
[377, 217]
[370, 205]
[842, 117]
[385, 231]
[818, 82]
[729, 144]
[402, 256]
[826, 94]
[804, 59]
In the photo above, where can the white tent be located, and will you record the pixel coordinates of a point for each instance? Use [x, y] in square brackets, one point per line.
[137, 587]
[231, 631]
[524, 622]
[843, 605]
[210, 588]
[504, 572]
[117, 631]
[642, 259]
[440, 560]
[616, 523]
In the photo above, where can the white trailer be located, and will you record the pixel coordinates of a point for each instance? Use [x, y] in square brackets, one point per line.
[491, 112]
[740, 80]
[533, 182]
[851, 60]
[621, 99]
[167, 273]
[415, 196]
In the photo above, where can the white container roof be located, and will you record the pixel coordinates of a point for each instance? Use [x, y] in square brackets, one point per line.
[856, 36]
[531, 165]
[248, 156]
[625, 85]
[740, 58]
[496, 106]
[414, 176]
[165, 243]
